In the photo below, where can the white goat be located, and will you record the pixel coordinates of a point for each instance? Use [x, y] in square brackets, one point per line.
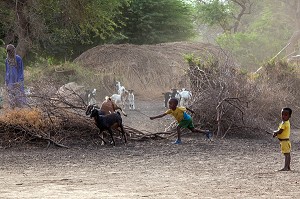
[185, 97]
[131, 99]
[122, 95]
[116, 98]
[120, 99]
[91, 97]
[120, 89]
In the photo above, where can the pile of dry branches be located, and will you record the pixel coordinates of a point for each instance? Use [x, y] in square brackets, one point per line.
[56, 118]
[230, 101]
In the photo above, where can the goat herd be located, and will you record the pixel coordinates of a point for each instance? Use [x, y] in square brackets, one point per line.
[126, 97]
[122, 98]
[183, 96]
[106, 118]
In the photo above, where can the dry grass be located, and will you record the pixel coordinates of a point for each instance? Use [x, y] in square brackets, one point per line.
[147, 69]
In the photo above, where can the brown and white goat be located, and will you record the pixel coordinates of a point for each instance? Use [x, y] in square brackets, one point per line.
[108, 106]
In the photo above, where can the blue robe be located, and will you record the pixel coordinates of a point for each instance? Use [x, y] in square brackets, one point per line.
[14, 80]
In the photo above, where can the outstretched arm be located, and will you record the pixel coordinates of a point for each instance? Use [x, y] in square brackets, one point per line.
[190, 110]
[158, 116]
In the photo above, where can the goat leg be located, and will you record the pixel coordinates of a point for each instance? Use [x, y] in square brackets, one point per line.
[123, 133]
[111, 135]
[102, 138]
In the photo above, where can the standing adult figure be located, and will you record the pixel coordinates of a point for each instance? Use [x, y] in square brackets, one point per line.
[14, 77]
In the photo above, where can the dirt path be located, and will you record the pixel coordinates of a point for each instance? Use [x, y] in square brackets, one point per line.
[228, 168]
[139, 118]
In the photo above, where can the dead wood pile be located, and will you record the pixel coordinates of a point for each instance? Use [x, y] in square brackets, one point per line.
[56, 119]
[32, 127]
[232, 101]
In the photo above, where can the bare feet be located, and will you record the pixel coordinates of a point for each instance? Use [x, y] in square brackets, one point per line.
[285, 169]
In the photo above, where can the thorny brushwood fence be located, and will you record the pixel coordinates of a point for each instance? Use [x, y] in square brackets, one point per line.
[56, 118]
[226, 99]
[229, 100]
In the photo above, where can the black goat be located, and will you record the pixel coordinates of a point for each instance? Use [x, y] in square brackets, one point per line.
[106, 122]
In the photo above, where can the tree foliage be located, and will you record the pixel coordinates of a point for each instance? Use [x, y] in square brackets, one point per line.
[254, 37]
[57, 26]
[67, 28]
[158, 21]
[224, 13]
[214, 13]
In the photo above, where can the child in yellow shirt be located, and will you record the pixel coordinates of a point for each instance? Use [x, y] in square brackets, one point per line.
[184, 120]
[283, 135]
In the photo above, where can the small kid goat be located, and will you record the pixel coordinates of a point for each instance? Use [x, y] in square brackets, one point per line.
[131, 100]
[185, 97]
[106, 122]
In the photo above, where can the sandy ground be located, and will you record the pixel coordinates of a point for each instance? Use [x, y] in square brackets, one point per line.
[224, 168]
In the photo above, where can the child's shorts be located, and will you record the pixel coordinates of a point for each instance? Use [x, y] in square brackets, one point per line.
[186, 124]
[285, 146]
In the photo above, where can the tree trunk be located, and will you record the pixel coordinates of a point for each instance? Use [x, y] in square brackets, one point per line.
[22, 32]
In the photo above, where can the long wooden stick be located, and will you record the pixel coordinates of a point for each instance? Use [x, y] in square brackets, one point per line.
[273, 57]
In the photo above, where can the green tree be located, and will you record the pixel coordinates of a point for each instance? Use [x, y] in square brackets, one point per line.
[258, 34]
[158, 21]
[57, 26]
[227, 14]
